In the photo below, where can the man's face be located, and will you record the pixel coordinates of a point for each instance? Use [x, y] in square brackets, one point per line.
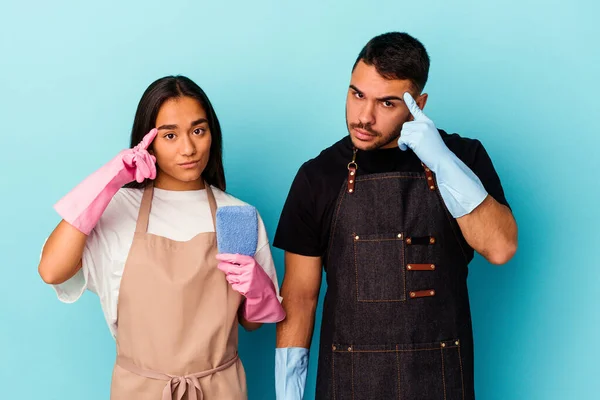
[375, 111]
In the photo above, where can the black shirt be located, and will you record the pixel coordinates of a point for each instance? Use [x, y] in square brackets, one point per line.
[305, 221]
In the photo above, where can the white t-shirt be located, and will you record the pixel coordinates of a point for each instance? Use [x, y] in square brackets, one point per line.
[177, 215]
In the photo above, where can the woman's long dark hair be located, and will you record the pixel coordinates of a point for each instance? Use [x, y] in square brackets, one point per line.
[154, 97]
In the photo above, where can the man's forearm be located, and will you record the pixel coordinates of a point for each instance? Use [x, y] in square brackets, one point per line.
[300, 292]
[294, 335]
[491, 230]
[296, 329]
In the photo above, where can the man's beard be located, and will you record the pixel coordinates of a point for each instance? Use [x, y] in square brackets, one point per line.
[381, 140]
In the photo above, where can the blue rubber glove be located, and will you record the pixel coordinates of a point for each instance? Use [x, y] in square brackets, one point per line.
[460, 188]
[291, 366]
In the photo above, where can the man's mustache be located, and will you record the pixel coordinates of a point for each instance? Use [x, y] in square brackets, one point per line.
[365, 127]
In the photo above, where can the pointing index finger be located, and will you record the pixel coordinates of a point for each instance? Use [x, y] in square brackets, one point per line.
[147, 140]
[413, 107]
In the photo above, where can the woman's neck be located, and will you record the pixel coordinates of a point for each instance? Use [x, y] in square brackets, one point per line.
[168, 183]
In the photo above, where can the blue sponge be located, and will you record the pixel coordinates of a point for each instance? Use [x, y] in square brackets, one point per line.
[237, 230]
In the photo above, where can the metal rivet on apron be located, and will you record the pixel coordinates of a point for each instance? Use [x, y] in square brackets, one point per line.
[456, 343]
[409, 266]
[432, 187]
[432, 292]
[432, 240]
[408, 241]
[356, 237]
[351, 190]
[352, 173]
[351, 181]
[334, 347]
[399, 236]
[432, 266]
[429, 178]
[443, 344]
[412, 294]
[350, 348]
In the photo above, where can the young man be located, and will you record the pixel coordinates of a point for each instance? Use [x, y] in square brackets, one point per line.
[394, 213]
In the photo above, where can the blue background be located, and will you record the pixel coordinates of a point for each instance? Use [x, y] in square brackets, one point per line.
[521, 76]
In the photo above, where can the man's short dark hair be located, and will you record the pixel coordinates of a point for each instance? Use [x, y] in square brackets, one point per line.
[397, 55]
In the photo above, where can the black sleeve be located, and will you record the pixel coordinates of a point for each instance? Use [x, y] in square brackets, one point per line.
[483, 167]
[298, 230]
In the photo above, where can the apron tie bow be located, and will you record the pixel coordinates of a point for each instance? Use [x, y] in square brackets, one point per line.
[183, 384]
[177, 386]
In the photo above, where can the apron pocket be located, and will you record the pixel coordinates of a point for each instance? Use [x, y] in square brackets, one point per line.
[424, 371]
[431, 371]
[364, 373]
[379, 267]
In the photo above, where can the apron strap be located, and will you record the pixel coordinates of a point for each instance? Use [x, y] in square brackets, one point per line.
[430, 178]
[353, 167]
[212, 203]
[144, 214]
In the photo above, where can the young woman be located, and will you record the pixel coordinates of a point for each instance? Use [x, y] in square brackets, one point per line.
[140, 232]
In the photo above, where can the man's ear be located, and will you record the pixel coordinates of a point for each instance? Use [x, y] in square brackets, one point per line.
[422, 100]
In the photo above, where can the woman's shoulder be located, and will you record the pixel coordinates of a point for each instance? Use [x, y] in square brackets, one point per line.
[226, 199]
[124, 199]
[122, 210]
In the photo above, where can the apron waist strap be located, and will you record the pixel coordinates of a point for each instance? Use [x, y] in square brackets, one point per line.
[179, 384]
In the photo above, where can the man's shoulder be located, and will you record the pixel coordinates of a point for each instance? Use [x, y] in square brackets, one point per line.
[458, 141]
[465, 148]
[329, 159]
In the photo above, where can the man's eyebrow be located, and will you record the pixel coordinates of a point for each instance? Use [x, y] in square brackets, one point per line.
[386, 98]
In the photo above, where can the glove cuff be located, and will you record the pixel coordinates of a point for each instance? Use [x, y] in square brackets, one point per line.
[461, 190]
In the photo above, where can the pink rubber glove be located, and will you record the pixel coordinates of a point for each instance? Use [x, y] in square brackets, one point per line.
[83, 206]
[246, 276]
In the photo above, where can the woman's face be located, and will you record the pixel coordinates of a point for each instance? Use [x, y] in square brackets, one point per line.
[182, 145]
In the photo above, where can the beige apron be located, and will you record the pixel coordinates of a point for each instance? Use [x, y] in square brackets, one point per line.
[177, 329]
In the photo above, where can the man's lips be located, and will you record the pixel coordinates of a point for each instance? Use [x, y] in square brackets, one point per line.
[362, 134]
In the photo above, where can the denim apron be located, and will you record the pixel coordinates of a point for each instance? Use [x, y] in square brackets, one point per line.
[396, 318]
